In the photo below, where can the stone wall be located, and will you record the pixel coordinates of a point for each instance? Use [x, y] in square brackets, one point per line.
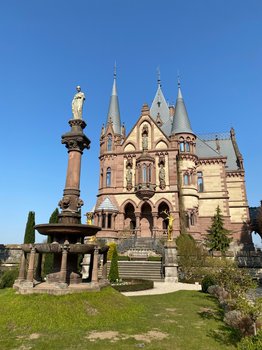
[10, 255]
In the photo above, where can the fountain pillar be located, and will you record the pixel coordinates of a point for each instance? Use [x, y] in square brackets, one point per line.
[22, 269]
[95, 266]
[30, 272]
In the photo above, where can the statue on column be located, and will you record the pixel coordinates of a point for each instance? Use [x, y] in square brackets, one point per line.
[77, 103]
[170, 224]
[162, 177]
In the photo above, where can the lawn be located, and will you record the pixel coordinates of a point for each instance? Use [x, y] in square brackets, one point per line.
[182, 320]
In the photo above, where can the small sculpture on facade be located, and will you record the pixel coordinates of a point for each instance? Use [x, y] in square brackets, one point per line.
[145, 138]
[129, 178]
[77, 103]
[162, 176]
[170, 224]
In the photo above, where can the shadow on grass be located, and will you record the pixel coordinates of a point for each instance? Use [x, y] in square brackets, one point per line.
[225, 335]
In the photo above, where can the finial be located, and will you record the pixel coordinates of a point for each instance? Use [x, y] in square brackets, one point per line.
[158, 77]
[178, 78]
[115, 70]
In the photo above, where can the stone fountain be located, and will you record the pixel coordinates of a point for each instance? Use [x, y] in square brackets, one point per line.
[69, 238]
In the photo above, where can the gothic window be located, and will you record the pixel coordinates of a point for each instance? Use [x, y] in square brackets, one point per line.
[109, 220]
[144, 177]
[186, 179]
[182, 147]
[187, 220]
[200, 182]
[187, 147]
[109, 142]
[192, 219]
[108, 177]
[103, 220]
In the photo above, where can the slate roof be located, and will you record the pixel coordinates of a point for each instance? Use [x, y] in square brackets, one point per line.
[107, 205]
[113, 110]
[206, 147]
[181, 121]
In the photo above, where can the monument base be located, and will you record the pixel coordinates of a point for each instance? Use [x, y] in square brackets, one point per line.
[170, 262]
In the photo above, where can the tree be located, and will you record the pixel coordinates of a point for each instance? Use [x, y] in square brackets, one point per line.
[29, 236]
[113, 273]
[49, 258]
[218, 237]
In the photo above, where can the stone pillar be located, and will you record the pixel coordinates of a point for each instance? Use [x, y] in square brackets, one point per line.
[63, 270]
[170, 264]
[38, 267]
[95, 266]
[104, 271]
[22, 268]
[137, 215]
[30, 272]
[106, 221]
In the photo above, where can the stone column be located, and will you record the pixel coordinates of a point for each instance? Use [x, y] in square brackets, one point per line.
[30, 272]
[63, 270]
[39, 267]
[22, 268]
[137, 215]
[95, 266]
[104, 271]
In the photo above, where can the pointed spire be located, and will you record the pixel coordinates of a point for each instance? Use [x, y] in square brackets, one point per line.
[159, 105]
[158, 77]
[113, 110]
[181, 123]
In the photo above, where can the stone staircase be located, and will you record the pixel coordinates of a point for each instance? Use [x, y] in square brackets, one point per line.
[149, 270]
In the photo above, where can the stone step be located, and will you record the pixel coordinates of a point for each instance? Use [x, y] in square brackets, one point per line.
[150, 270]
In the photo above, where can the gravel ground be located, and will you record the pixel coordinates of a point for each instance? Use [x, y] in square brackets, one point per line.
[165, 287]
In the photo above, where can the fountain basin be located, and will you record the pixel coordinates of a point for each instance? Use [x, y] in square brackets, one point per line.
[67, 229]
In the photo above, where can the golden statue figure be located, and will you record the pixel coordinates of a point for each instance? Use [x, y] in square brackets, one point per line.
[89, 218]
[170, 224]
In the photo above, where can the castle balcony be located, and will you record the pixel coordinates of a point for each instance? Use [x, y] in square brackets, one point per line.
[145, 191]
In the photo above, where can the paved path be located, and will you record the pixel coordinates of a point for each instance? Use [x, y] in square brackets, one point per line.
[165, 287]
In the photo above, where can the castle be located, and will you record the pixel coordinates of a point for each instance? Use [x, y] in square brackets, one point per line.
[161, 168]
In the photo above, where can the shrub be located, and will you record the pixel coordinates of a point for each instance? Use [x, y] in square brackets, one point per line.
[208, 280]
[251, 343]
[113, 273]
[134, 285]
[112, 247]
[242, 323]
[8, 278]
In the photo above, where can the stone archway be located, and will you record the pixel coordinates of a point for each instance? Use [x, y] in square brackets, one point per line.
[129, 217]
[146, 221]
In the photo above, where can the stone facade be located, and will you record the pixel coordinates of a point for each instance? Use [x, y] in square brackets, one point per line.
[163, 166]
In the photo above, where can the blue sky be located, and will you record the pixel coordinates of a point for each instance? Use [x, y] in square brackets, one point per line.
[49, 47]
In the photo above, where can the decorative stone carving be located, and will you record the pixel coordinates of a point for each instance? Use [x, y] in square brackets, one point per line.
[145, 138]
[80, 203]
[129, 178]
[77, 103]
[64, 202]
[162, 177]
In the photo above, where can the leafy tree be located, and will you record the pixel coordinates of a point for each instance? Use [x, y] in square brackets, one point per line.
[218, 237]
[113, 273]
[29, 236]
[49, 258]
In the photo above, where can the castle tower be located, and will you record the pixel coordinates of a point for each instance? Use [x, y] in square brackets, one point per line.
[183, 137]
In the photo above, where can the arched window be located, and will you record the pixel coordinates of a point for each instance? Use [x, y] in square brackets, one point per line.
[200, 182]
[187, 147]
[149, 173]
[186, 179]
[108, 177]
[182, 147]
[192, 219]
[144, 177]
[109, 143]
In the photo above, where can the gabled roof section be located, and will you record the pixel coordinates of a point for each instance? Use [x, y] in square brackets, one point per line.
[107, 205]
[159, 107]
[181, 123]
[113, 110]
[217, 145]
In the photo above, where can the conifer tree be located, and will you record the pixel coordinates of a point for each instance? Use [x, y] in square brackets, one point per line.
[218, 237]
[49, 258]
[29, 236]
[113, 273]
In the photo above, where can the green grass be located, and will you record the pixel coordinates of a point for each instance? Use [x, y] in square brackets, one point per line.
[183, 320]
